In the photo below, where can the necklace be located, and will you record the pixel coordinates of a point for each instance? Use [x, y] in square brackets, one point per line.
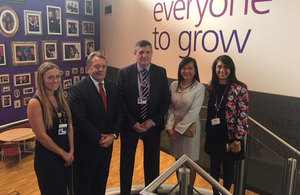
[185, 87]
[59, 114]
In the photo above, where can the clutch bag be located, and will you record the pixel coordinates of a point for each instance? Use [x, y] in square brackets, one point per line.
[235, 146]
[191, 130]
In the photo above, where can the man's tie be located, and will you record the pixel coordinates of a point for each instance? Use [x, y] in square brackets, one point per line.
[102, 93]
[145, 93]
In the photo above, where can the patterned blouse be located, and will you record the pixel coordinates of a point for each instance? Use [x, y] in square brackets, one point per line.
[236, 111]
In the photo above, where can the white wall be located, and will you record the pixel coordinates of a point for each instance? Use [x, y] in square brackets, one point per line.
[268, 63]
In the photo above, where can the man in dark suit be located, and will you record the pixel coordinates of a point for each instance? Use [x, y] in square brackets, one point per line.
[145, 99]
[97, 120]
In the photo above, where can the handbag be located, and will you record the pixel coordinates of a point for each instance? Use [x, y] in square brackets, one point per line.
[190, 131]
[235, 146]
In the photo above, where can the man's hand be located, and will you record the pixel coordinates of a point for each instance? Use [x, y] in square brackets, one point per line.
[139, 128]
[106, 140]
[147, 124]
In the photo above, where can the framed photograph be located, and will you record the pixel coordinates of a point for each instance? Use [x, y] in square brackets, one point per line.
[26, 100]
[2, 55]
[72, 28]
[33, 22]
[9, 24]
[67, 73]
[83, 77]
[67, 83]
[4, 79]
[17, 104]
[24, 53]
[88, 28]
[89, 45]
[49, 49]
[5, 89]
[74, 70]
[54, 20]
[81, 70]
[22, 79]
[6, 101]
[76, 79]
[61, 72]
[17, 93]
[72, 7]
[89, 7]
[71, 51]
[28, 90]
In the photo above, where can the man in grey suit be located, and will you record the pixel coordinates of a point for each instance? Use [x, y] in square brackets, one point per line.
[145, 99]
[94, 103]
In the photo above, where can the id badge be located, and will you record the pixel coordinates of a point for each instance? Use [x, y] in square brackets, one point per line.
[142, 100]
[62, 129]
[215, 121]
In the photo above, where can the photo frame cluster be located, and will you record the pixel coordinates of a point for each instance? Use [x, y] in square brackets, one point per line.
[53, 20]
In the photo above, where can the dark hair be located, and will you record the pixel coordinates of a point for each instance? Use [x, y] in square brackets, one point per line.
[182, 64]
[142, 43]
[228, 62]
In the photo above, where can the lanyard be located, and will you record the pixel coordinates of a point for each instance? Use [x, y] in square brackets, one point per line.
[141, 83]
[217, 106]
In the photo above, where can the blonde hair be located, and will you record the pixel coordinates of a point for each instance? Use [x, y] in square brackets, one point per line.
[45, 101]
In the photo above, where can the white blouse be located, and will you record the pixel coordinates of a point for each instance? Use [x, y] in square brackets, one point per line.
[185, 106]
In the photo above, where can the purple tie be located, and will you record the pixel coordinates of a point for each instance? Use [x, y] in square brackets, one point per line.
[145, 93]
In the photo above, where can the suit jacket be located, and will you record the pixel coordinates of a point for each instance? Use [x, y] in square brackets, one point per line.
[90, 119]
[159, 100]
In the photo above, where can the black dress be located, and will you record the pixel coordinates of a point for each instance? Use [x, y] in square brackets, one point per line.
[217, 135]
[53, 177]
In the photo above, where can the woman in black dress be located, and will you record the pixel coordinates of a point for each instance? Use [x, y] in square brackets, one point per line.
[227, 119]
[50, 118]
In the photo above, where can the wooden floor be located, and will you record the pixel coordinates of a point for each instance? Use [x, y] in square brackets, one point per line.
[21, 178]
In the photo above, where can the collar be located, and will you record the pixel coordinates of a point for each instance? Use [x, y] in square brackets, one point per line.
[96, 83]
[139, 68]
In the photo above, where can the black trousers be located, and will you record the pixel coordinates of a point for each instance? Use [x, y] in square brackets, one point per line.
[53, 177]
[228, 169]
[90, 170]
[129, 140]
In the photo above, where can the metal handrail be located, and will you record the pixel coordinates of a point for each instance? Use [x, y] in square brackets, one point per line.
[270, 133]
[149, 190]
[275, 136]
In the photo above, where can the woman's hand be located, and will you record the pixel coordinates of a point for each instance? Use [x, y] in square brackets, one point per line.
[173, 134]
[68, 157]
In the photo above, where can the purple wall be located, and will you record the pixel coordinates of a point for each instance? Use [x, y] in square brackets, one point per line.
[11, 114]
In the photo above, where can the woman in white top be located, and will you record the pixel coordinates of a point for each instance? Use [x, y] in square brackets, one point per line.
[187, 95]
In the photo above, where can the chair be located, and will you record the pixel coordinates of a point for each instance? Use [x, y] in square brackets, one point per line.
[10, 150]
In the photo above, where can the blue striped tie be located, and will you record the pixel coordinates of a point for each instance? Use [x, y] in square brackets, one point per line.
[145, 93]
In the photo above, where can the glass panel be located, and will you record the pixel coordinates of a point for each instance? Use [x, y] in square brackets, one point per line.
[266, 169]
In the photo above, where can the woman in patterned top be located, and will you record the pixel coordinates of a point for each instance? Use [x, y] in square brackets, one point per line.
[227, 119]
